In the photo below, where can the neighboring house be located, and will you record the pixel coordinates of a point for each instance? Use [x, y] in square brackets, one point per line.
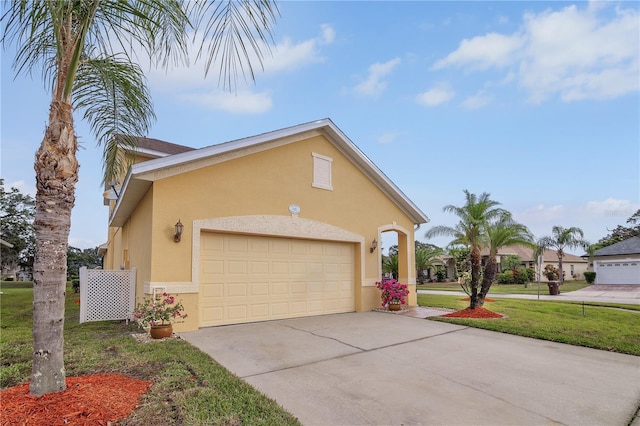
[279, 225]
[618, 263]
[573, 266]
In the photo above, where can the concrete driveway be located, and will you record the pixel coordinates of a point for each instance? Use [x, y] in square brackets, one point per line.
[377, 368]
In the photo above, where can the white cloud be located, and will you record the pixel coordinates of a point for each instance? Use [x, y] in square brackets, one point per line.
[289, 56]
[386, 138]
[437, 95]
[612, 207]
[286, 56]
[478, 100]
[22, 186]
[243, 102]
[374, 84]
[482, 52]
[574, 53]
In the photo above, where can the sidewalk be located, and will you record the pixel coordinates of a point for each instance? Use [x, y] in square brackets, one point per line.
[629, 295]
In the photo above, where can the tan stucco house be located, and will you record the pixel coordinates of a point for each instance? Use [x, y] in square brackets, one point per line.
[282, 224]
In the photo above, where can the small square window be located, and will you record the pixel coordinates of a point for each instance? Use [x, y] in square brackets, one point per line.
[322, 171]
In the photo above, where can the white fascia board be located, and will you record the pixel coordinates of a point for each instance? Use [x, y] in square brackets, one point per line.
[136, 182]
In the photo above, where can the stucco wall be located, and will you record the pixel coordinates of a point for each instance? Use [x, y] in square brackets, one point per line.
[265, 183]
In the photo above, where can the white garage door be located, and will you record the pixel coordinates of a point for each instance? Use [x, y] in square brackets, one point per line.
[618, 272]
[247, 278]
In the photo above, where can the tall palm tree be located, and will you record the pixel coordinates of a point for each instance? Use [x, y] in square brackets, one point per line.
[474, 216]
[500, 233]
[85, 51]
[561, 239]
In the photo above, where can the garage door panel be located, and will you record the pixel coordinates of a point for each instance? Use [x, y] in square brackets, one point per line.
[618, 272]
[251, 278]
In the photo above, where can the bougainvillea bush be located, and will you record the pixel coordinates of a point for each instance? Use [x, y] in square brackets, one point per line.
[392, 291]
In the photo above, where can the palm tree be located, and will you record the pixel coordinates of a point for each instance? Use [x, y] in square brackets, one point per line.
[562, 238]
[500, 233]
[390, 264]
[470, 231]
[85, 51]
[425, 257]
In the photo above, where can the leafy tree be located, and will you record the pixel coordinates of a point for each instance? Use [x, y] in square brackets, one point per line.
[621, 233]
[474, 215]
[510, 262]
[561, 239]
[501, 232]
[16, 227]
[86, 51]
[77, 258]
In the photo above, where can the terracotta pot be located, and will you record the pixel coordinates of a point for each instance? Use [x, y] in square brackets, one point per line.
[161, 331]
[394, 306]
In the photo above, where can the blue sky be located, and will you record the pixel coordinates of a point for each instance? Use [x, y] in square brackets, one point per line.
[536, 103]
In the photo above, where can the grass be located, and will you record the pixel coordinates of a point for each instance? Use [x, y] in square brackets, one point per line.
[532, 288]
[600, 327]
[189, 387]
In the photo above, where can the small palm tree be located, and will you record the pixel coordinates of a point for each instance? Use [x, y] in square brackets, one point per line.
[561, 239]
[425, 257]
[390, 265]
[85, 51]
[500, 233]
[470, 231]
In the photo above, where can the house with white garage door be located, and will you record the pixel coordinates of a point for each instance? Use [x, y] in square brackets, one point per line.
[279, 225]
[618, 263]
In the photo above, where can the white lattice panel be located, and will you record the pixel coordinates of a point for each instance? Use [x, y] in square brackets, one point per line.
[106, 295]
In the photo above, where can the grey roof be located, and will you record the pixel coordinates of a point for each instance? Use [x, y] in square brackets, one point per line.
[628, 246]
[157, 147]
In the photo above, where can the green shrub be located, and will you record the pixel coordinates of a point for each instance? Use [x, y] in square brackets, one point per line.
[441, 275]
[530, 273]
[590, 276]
[75, 284]
[505, 277]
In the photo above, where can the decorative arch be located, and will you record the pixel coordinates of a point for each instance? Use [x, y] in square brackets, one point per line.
[406, 252]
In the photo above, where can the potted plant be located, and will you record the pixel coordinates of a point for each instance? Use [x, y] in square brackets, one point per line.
[552, 274]
[159, 315]
[393, 294]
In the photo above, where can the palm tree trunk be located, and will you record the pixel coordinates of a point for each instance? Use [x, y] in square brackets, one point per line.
[56, 168]
[489, 275]
[561, 275]
[476, 261]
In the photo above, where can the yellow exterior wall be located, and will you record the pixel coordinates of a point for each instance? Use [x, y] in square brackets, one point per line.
[263, 183]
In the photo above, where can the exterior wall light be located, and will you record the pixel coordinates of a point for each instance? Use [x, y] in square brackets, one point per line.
[179, 228]
[374, 244]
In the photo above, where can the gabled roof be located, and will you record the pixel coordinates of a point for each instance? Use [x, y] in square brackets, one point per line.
[155, 148]
[142, 175]
[628, 246]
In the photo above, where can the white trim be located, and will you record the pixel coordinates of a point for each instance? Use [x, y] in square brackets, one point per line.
[142, 174]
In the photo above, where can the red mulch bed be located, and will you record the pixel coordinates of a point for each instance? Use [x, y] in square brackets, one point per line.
[473, 313]
[487, 299]
[100, 399]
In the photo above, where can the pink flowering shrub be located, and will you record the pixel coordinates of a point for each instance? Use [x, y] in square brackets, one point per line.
[392, 291]
[160, 312]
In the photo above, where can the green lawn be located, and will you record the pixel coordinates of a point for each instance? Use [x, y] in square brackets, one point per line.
[189, 387]
[532, 288]
[601, 326]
